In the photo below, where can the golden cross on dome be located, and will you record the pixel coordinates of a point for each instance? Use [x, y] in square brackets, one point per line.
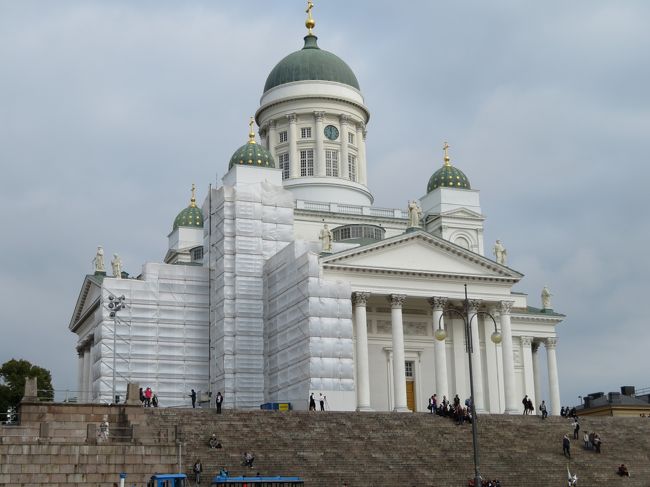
[445, 148]
[310, 23]
[193, 200]
[251, 134]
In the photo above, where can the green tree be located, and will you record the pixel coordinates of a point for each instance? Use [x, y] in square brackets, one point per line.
[12, 377]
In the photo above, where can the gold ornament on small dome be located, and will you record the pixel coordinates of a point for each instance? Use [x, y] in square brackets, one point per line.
[310, 23]
[251, 134]
[445, 148]
[193, 199]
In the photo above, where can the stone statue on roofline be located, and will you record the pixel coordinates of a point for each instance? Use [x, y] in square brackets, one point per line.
[116, 264]
[98, 261]
[546, 298]
[500, 253]
[415, 214]
[325, 237]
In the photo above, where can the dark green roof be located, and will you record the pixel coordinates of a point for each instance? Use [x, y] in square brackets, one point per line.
[252, 154]
[192, 217]
[448, 176]
[311, 63]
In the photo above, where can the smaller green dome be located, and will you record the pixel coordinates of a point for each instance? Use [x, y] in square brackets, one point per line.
[251, 153]
[448, 176]
[191, 217]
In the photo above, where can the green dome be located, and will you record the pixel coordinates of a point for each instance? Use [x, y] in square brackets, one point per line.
[448, 176]
[192, 217]
[252, 154]
[311, 63]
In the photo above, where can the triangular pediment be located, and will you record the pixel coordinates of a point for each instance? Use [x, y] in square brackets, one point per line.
[463, 213]
[421, 253]
[86, 301]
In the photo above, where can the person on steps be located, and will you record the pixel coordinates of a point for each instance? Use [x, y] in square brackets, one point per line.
[566, 446]
[197, 469]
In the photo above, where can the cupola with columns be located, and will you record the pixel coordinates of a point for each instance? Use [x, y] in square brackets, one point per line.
[452, 209]
[312, 119]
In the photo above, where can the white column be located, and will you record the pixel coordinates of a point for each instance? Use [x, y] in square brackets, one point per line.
[361, 159]
[89, 369]
[273, 140]
[294, 157]
[538, 385]
[492, 382]
[553, 382]
[399, 372]
[80, 372]
[461, 382]
[475, 357]
[84, 376]
[319, 170]
[508, 359]
[440, 348]
[345, 173]
[529, 377]
[363, 370]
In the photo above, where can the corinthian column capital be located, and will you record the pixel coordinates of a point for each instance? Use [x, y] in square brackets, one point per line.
[396, 300]
[438, 303]
[360, 298]
[551, 343]
[506, 307]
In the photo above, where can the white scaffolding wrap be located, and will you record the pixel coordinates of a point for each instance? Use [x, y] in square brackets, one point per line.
[248, 222]
[308, 335]
[161, 336]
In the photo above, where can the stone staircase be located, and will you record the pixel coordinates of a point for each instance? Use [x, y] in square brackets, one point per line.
[56, 445]
[388, 449]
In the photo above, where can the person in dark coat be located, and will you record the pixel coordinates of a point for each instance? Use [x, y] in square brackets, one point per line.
[566, 446]
[312, 402]
[193, 396]
[219, 401]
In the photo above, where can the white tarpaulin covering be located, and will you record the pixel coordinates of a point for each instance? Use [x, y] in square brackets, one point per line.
[162, 334]
[248, 224]
[308, 336]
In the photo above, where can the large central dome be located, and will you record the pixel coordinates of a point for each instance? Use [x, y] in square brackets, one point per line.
[311, 63]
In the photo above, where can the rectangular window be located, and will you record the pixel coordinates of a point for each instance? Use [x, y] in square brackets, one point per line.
[352, 167]
[350, 138]
[332, 163]
[307, 162]
[197, 254]
[305, 133]
[408, 369]
[283, 136]
[283, 161]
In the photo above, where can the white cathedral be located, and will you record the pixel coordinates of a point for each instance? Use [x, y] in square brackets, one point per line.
[287, 280]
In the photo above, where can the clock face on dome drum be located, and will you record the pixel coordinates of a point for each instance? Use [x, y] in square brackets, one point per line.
[331, 132]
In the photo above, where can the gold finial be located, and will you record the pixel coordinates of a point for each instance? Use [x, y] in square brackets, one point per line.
[193, 200]
[251, 134]
[445, 148]
[310, 23]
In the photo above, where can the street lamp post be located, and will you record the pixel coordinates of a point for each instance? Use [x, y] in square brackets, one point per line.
[441, 334]
[115, 304]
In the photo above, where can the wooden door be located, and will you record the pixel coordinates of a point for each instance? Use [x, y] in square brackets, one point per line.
[410, 395]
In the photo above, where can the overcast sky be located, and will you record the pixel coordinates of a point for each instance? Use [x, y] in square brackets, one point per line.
[109, 111]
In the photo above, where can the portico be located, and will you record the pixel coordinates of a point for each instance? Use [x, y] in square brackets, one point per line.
[394, 326]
